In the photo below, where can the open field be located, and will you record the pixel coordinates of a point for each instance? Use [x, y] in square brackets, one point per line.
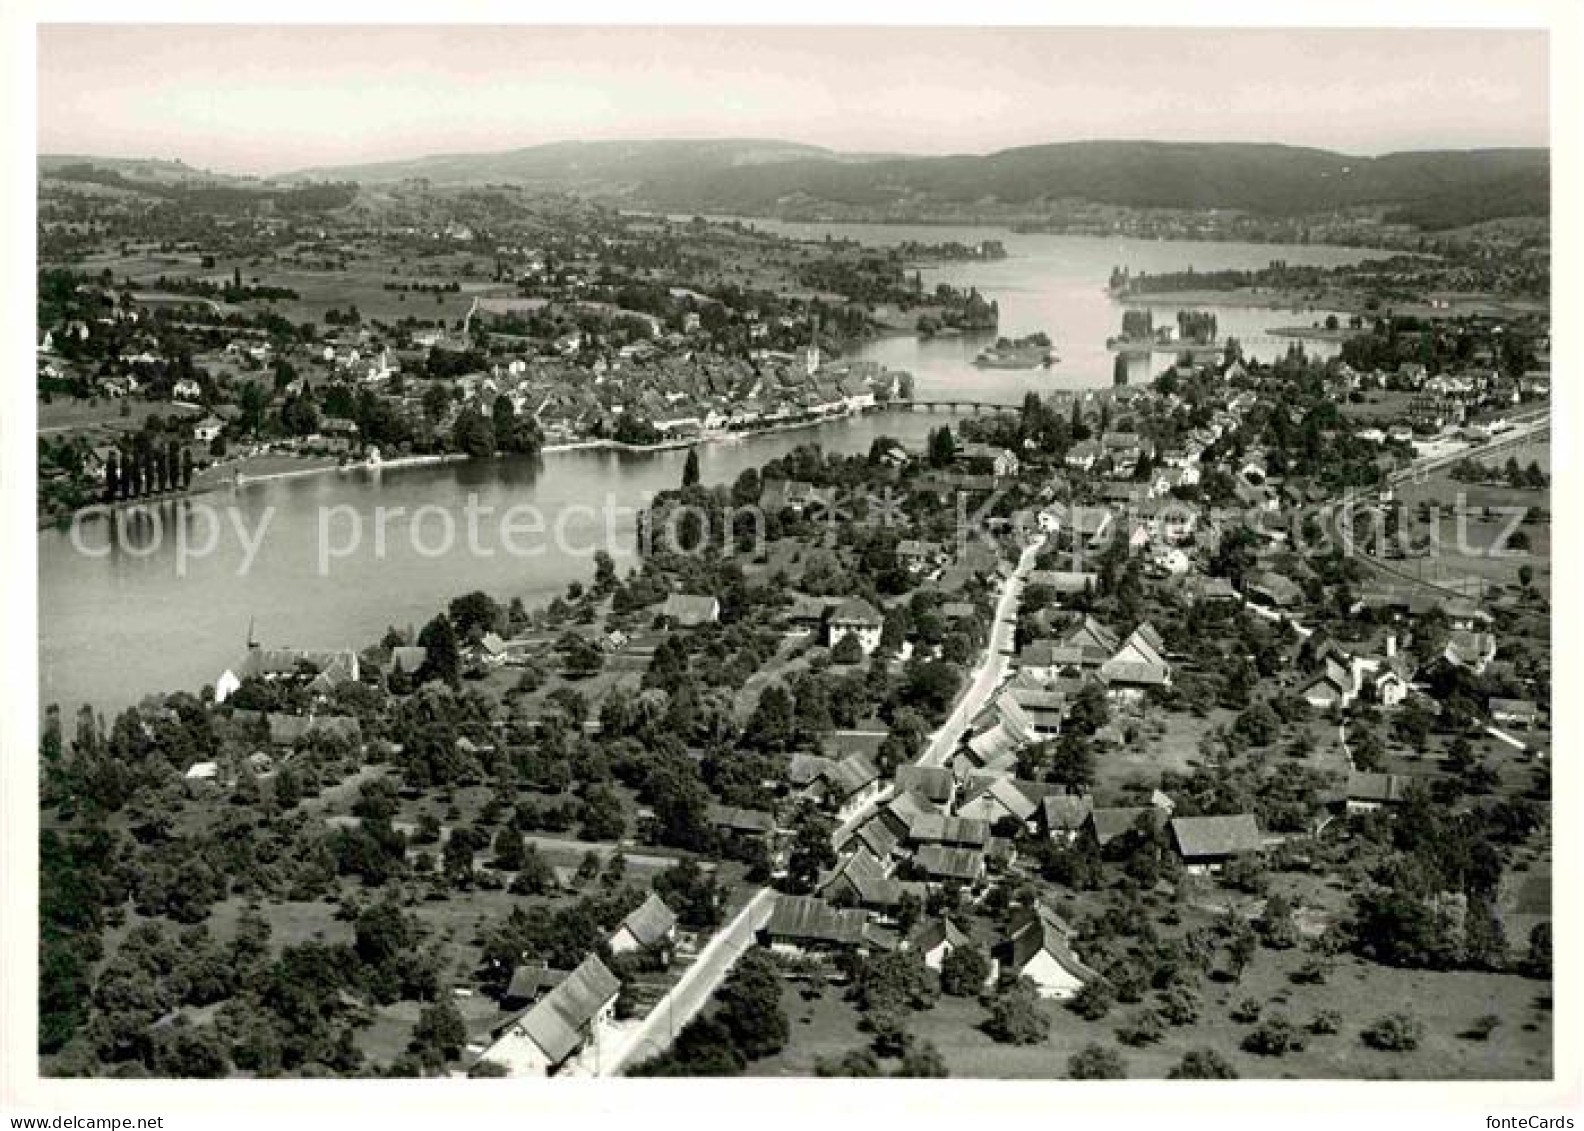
[363, 286]
[70, 414]
[1380, 406]
[1447, 1004]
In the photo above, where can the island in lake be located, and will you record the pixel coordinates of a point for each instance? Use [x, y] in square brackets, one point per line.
[1031, 352]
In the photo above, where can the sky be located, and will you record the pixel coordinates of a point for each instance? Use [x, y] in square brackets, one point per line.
[274, 99]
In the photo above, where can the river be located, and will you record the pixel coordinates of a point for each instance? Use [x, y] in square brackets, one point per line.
[129, 609]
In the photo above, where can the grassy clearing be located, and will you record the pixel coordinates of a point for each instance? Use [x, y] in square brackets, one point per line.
[69, 414]
[1447, 1004]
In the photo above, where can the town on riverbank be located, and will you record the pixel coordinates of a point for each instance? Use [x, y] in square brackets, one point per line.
[1200, 729]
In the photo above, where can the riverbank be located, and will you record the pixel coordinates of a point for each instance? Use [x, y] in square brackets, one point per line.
[1250, 297]
[1316, 333]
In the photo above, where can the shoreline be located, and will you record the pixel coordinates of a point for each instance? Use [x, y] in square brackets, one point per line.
[440, 458]
[1244, 298]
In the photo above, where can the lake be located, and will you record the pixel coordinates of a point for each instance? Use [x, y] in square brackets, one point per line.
[133, 607]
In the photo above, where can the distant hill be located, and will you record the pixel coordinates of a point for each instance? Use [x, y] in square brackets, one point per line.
[180, 183]
[1433, 188]
[604, 165]
[139, 169]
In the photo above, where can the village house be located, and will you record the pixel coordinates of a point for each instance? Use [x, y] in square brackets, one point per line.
[936, 784]
[851, 784]
[1083, 455]
[940, 864]
[1111, 830]
[1333, 687]
[1275, 590]
[1038, 947]
[755, 824]
[916, 557]
[649, 927]
[998, 799]
[564, 1021]
[1064, 583]
[1206, 844]
[808, 925]
[997, 461]
[489, 651]
[862, 879]
[1137, 666]
[688, 610]
[1062, 816]
[857, 618]
[1367, 792]
[207, 430]
[1514, 712]
[936, 938]
[529, 982]
[1472, 650]
[1088, 528]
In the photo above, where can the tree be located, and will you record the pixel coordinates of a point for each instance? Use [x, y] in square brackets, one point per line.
[964, 971]
[848, 650]
[253, 403]
[604, 572]
[534, 875]
[1275, 925]
[458, 854]
[812, 851]
[1072, 763]
[1274, 1037]
[1017, 1016]
[897, 981]
[440, 1034]
[1241, 947]
[691, 893]
[690, 469]
[475, 612]
[773, 727]
[603, 815]
[473, 434]
[856, 1063]
[1203, 1064]
[436, 401]
[1395, 1032]
[382, 934]
[921, 1060]
[1094, 1000]
[942, 447]
[749, 1006]
[508, 850]
[1537, 962]
[442, 657]
[1096, 1062]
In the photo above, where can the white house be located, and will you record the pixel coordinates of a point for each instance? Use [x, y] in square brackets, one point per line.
[225, 685]
[1039, 949]
[936, 939]
[575, 1013]
[649, 926]
[855, 617]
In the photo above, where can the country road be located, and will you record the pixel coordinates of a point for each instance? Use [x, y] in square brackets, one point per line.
[987, 677]
[992, 669]
[626, 1046]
